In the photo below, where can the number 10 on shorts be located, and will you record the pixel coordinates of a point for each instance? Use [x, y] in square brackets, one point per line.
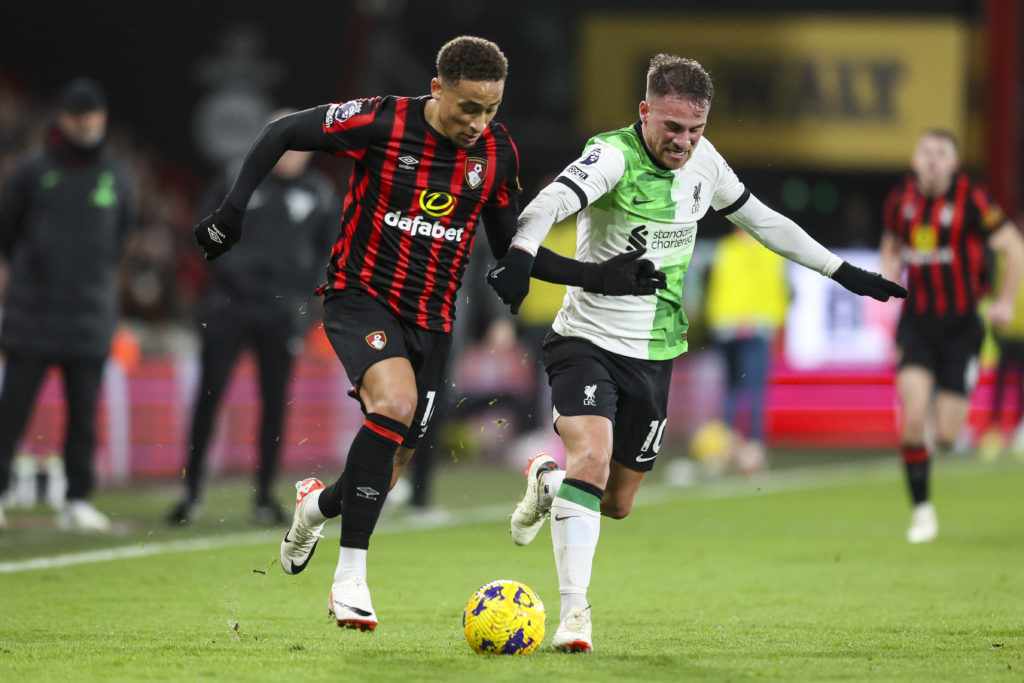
[652, 444]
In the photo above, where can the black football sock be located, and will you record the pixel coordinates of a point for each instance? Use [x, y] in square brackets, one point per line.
[329, 501]
[916, 462]
[367, 477]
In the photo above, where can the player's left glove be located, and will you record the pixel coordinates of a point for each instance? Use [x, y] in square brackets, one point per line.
[219, 231]
[510, 277]
[866, 283]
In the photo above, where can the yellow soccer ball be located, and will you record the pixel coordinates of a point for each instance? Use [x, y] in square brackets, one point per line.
[504, 618]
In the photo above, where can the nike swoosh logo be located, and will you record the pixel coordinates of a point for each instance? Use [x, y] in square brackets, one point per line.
[497, 271]
[638, 203]
[559, 519]
[358, 612]
[296, 568]
[641, 458]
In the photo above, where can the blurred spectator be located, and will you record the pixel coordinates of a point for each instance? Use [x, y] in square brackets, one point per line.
[162, 274]
[259, 298]
[64, 213]
[747, 298]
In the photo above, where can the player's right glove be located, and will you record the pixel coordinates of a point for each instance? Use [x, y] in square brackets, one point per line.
[510, 277]
[866, 283]
[622, 275]
[219, 231]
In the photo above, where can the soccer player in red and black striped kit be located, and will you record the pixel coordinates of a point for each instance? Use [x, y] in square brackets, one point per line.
[428, 170]
[937, 223]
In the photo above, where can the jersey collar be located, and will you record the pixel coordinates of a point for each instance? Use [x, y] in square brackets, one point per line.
[637, 127]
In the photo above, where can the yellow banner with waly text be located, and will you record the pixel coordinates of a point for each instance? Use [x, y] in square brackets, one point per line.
[794, 90]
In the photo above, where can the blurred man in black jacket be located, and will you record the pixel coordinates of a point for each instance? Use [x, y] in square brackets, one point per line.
[63, 215]
[259, 297]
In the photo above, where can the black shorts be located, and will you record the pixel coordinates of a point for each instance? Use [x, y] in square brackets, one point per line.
[632, 393]
[947, 346]
[363, 332]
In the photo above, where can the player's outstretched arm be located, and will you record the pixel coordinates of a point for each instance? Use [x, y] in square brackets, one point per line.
[620, 275]
[219, 231]
[786, 238]
[624, 274]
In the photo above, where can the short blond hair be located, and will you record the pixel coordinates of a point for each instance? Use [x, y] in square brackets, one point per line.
[681, 77]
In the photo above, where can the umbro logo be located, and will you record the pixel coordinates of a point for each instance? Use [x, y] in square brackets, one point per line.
[215, 234]
[367, 492]
[407, 162]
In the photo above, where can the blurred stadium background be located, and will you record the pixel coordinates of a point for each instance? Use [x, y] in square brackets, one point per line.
[817, 110]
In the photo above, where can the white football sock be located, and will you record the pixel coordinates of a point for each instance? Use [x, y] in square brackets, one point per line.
[574, 533]
[550, 482]
[351, 562]
[311, 515]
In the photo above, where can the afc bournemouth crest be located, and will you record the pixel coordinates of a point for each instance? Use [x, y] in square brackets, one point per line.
[377, 340]
[476, 171]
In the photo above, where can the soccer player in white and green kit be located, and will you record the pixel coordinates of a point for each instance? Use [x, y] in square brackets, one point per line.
[609, 358]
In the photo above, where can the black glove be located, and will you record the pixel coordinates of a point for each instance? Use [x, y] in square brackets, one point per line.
[219, 231]
[866, 283]
[510, 277]
[622, 275]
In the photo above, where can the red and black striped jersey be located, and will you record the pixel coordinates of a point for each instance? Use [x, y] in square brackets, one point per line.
[413, 203]
[941, 241]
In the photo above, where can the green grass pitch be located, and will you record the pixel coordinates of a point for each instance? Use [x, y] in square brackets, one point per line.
[803, 575]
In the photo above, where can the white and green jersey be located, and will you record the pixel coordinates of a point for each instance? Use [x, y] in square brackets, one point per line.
[626, 201]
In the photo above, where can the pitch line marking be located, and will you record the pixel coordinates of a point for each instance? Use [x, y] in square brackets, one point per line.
[767, 484]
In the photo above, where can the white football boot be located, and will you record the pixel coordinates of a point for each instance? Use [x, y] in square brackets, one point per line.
[924, 525]
[300, 541]
[349, 603]
[534, 508]
[80, 515]
[573, 634]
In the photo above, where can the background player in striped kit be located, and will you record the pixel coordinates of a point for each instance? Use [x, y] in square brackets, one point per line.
[427, 170]
[936, 223]
[609, 360]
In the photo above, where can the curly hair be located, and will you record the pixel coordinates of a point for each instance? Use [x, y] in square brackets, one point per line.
[681, 77]
[471, 58]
